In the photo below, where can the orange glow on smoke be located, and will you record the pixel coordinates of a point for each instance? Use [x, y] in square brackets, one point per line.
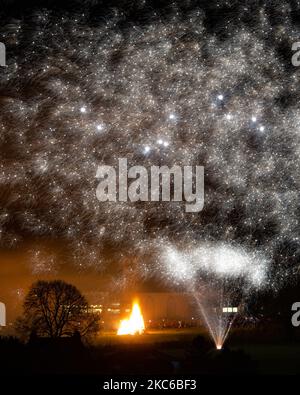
[135, 324]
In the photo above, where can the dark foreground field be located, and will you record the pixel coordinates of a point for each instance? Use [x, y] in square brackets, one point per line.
[167, 352]
[279, 357]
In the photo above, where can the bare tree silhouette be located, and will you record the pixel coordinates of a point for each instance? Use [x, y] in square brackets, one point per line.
[56, 309]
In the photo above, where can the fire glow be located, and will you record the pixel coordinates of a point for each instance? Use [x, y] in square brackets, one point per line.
[134, 324]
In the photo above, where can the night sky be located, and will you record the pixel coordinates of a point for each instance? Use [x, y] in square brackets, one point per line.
[160, 84]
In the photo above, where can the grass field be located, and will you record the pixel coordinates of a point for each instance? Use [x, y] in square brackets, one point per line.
[152, 336]
[272, 358]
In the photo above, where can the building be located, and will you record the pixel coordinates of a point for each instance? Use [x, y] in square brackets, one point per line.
[168, 306]
[159, 309]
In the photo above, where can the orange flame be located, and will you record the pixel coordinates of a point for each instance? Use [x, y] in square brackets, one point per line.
[135, 324]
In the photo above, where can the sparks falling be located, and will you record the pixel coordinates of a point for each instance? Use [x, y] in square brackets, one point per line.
[218, 275]
[79, 91]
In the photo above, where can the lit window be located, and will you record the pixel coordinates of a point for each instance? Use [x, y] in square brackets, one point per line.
[230, 309]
